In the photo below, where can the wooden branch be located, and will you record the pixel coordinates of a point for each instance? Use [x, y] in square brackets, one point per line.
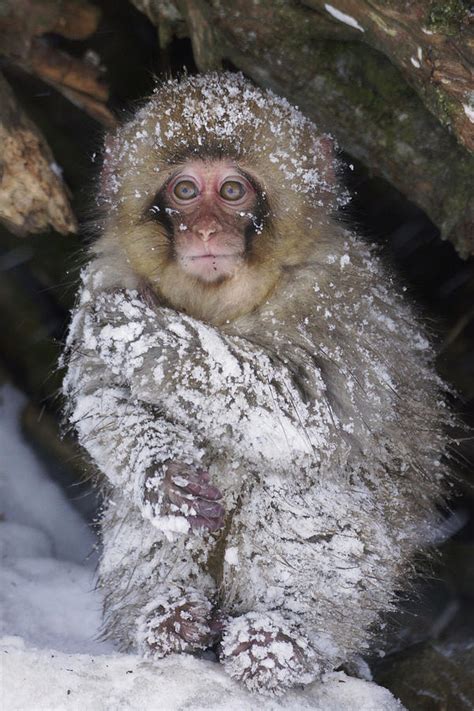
[206, 51]
[76, 20]
[33, 195]
[96, 109]
[22, 20]
[62, 70]
[79, 81]
[22, 26]
[349, 89]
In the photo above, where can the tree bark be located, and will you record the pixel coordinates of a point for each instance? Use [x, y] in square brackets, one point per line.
[22, 20]
[32, 192]
[409, 124]
[23, 23]
[432, 43]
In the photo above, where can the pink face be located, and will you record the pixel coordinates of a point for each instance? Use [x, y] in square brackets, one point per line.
[210, 205]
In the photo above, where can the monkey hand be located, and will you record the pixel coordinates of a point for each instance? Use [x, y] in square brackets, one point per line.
[186, 494]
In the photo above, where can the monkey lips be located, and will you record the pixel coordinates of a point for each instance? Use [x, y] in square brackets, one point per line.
[211, 267]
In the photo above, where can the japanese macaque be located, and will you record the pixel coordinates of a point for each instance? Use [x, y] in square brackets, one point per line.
[258, 397]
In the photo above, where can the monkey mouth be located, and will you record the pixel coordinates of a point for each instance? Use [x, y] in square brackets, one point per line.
[212, 256]
[211, 267]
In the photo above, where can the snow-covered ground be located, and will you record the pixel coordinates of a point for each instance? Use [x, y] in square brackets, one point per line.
[51, 658]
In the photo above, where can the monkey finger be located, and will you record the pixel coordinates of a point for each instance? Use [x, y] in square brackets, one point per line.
[195, 484]
[194, 633]
[190, 474]
[203, 474]
[178, 497]
[180, 480]
[208, 508]
[204, 491]
[217, 624]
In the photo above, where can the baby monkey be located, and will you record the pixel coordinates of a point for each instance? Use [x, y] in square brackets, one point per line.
[257, 396]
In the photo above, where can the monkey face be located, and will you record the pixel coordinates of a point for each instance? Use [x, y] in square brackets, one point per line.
[209, 209]
[213, 191]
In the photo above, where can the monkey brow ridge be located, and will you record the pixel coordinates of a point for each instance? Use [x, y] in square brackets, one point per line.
[211, 150]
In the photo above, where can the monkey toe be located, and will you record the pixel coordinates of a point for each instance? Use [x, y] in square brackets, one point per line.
[267, 653]
[177, 623]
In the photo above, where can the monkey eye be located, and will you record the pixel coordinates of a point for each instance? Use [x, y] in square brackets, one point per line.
[232, 190]
[185, 190]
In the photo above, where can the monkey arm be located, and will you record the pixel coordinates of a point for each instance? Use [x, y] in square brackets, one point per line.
[154, 461]
[225, 389]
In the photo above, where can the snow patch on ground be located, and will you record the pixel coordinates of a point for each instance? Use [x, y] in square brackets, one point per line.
[54, 681]
[50, 617]
[29, 497]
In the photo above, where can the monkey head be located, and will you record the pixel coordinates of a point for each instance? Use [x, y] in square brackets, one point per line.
[213, 189]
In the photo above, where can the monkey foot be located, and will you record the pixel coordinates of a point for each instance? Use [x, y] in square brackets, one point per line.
[177, 624]
[267, 653]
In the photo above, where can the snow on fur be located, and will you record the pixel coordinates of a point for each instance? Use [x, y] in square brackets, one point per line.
[324, 428]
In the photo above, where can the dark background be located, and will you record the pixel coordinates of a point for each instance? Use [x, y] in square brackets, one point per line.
[37, 290]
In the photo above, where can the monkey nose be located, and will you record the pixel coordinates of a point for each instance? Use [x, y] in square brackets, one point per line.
[206, 231]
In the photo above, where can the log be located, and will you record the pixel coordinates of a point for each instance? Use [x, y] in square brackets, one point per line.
[432, 43]
[383, 115]
[33, 195]
[81, 82]
[23, 20]
[96, 109]
[23, 24]
[60, 69]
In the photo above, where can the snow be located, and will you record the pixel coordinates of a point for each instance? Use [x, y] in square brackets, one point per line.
[47, 511]
[41, 680]
[469, 111]
[52, 659]
[343, 17]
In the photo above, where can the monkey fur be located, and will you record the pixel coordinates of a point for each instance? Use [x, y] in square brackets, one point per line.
[297, 401]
